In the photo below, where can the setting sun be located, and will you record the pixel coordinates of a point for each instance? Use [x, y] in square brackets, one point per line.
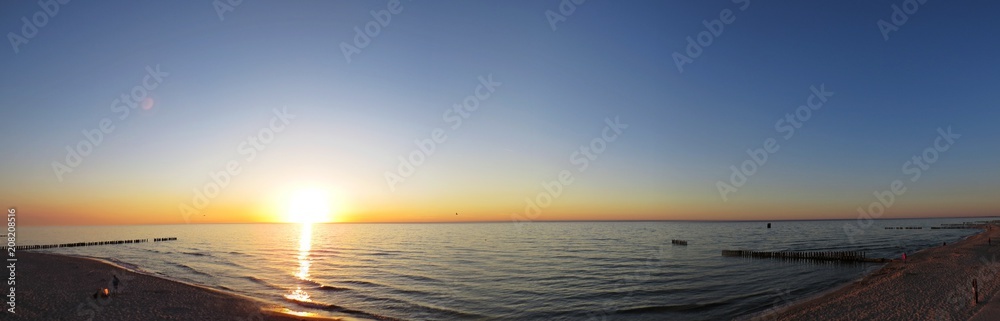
[309, 206]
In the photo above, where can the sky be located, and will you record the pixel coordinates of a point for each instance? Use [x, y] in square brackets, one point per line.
[565, 111]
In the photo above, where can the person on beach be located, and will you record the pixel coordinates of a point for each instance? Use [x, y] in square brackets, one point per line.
[904, 257]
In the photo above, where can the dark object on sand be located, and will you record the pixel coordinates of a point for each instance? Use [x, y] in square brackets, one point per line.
[115, 282]
[975, 291]
[102, 292]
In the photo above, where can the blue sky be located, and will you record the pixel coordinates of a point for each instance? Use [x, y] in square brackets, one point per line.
[606, 59]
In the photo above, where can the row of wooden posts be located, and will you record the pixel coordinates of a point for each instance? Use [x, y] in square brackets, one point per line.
[78, 244]
[679, 242]
[966, 225]
[845, 256]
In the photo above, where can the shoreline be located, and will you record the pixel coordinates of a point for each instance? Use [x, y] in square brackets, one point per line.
[931, 284]
[61, 287]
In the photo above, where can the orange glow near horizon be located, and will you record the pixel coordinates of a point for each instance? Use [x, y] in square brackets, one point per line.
[310, 201]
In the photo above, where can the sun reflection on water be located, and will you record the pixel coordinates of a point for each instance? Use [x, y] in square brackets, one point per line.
[305, 244]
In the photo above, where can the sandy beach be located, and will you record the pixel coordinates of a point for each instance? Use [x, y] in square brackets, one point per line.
[55, 287]
[933, 284]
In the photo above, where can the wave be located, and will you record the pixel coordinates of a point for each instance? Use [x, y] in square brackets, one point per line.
[310, 282]
[362, 283]
[340, 309]
[420, 278]
[256, 280]
[123, 264]
[332, 288]
[692, 307]
[190, 269]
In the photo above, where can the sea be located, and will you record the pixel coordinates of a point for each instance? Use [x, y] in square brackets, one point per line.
[508, 271]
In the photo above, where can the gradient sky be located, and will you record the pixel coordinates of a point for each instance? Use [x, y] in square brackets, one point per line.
[607, 59]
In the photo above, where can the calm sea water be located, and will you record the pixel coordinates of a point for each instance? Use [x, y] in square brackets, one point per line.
[482, 271]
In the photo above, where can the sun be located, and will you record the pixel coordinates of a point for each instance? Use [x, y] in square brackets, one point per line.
[309, 206]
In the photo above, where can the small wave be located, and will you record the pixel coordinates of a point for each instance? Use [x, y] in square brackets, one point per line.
[196, 253]
[359, 282]
[694, 307]
[256, 280]
[310, 282]
[123, 264]
[229, 263]
[150, 250]
[335, 308]
[191, 269]
[420, 278]
[332, 288]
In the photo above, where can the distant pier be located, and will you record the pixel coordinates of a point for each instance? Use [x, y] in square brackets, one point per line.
[843, 256]
[50, 246]
[961, 226]
[966, 225]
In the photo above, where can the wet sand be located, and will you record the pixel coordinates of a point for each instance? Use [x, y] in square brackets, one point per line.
[933, 284]
[56, 287]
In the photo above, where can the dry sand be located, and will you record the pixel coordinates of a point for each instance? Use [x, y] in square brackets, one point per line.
[933, 284]
[55, 287]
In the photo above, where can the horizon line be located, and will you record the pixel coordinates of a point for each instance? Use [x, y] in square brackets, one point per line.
[542, 221]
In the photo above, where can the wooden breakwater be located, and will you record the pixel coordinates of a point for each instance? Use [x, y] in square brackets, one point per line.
[679, 242]
[843, 256]
[78, 244]
[955, 227]
[959, 226]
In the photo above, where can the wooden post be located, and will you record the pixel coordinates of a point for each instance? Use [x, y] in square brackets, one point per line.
[975, 292]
